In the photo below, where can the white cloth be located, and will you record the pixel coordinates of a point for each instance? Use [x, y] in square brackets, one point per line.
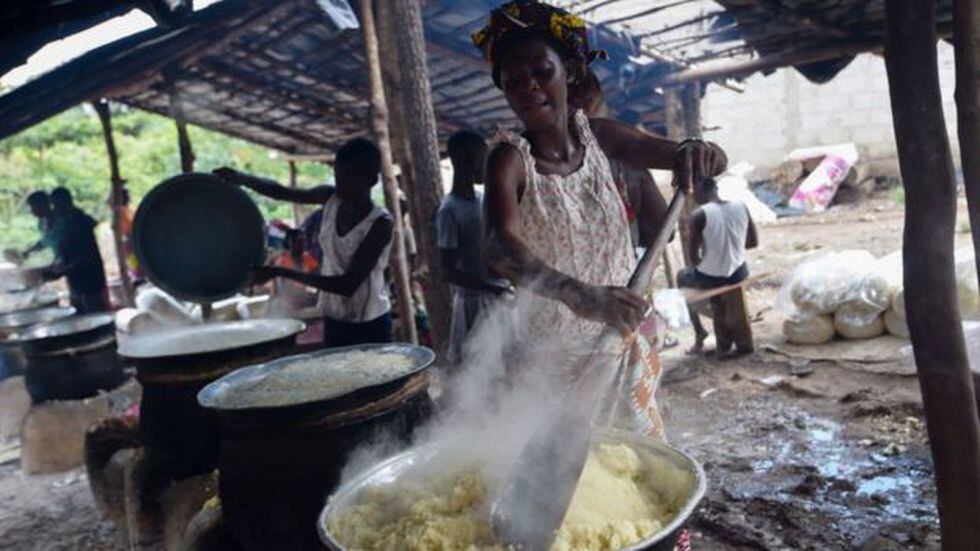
[370, 300]
[723, 246]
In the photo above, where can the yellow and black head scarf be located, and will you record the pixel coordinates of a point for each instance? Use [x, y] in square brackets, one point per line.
[564, 28]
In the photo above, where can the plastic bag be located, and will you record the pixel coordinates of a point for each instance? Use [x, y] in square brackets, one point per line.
[967, 290]
[895, 324]
[807, 329]
[821, 284]
[853, 322]
[898, 304]
[672, 307]
[882, 282]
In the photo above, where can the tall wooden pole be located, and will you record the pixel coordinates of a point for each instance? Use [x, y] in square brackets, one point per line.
[933, 313]
[966, 35]
[293, 183]
[682, 107]
[379, 123]
[183, 137]
[425, 195]
[102, 108]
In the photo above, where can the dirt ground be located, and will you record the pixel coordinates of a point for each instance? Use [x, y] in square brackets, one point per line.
[833, 460]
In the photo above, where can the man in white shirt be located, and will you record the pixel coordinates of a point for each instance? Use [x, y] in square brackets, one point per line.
[719, 233]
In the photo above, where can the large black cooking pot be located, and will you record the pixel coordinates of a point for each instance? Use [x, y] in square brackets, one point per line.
[180, 437]
[69, 359]
[277, 463]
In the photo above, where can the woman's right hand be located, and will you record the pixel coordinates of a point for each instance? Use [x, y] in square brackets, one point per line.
[616, 306]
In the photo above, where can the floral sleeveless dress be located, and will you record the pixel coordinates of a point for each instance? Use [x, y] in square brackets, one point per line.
[578, 225]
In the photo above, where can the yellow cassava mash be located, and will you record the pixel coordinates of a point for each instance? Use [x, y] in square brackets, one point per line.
[613, 507]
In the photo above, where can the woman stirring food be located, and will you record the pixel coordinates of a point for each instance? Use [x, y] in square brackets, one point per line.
[558, 226]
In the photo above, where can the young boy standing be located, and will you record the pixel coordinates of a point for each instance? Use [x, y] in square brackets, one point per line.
[355, 235]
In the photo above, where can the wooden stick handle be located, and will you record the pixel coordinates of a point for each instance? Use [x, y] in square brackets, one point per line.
[643, 274]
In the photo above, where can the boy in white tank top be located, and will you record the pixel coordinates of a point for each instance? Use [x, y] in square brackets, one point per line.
[719, 233]
[355, 235]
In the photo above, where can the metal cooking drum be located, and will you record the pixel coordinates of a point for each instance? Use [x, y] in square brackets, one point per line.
[197, 238]
[71, 358]
[180, 437]
[277, 463]
[404, 464]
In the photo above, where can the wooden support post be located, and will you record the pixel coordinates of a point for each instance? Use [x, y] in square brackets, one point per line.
[102, 108]
[379, 124]
[931, 304]
[966, 34]
[425, 193]
[297, 218]
[183, 138]
[682, 107]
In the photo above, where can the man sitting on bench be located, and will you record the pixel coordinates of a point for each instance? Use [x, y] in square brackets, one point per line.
[719, 233]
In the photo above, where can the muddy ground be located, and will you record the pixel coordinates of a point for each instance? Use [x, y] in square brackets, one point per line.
[833, 460]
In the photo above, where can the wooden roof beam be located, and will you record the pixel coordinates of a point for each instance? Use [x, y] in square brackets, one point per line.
[789, 59]
[776, 8]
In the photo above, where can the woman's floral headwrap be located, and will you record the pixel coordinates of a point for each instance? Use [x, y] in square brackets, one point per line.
[566, 28]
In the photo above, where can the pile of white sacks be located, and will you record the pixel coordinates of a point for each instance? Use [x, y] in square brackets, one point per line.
[856, 296]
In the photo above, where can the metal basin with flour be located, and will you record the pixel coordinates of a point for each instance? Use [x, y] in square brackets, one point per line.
[690, 486]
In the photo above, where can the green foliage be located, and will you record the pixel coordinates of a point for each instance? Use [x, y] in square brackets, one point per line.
[68, 150]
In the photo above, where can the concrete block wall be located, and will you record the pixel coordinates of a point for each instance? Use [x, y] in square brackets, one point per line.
[782, 111]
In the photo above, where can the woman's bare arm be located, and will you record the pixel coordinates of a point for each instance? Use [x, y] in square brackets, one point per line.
[691, 161]
[263, 186]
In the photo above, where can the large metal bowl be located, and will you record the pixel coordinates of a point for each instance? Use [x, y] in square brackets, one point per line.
[390, 471]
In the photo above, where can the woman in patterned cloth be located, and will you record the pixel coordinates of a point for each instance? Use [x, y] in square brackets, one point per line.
[558, 228]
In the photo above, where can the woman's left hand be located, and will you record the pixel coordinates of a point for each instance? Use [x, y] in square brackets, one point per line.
[695, 160]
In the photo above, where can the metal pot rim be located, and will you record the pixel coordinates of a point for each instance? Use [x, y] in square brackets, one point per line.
[155, 346]
[38, 316]
[62, 327]
[350, 489]
[210, 395]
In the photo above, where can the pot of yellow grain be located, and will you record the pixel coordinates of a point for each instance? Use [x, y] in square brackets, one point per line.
[634, 493]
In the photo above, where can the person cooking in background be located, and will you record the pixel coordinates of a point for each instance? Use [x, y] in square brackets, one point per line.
[459, 230]
[78, 257]
[720, 233]
[355, 236]
[291, 294]
[50, 227]
[558, 228]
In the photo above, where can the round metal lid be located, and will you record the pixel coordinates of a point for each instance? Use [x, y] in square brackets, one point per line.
[204, 339]
[197, 238]
[62, 328]
[24, 318]
[226, 392]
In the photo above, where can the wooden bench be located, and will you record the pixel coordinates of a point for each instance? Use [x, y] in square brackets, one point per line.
[729, 313]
